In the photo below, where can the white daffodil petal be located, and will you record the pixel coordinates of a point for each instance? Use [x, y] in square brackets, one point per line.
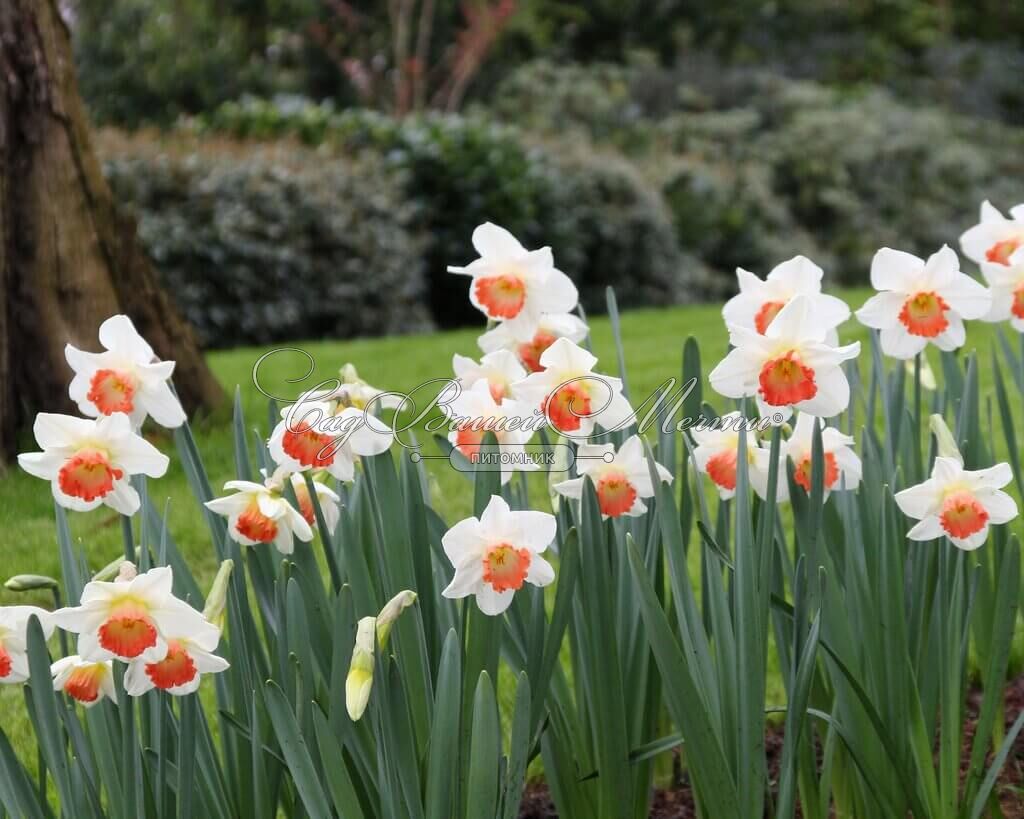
[928, 528]
[540, 572]
[882, 310]
[119, 333]
[895, 270]
[953, 337]
[492, 602]
[918, 501]
[1001, 507]
[537, 529]
[898, 343]
[969, 298]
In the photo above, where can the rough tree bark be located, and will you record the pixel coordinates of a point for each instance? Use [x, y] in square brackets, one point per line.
[68, 258]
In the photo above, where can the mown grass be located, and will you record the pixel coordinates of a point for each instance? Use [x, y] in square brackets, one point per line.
[652, 341]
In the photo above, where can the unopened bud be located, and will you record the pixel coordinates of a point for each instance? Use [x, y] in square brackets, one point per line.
[349, 374]
[109, 572]
[944, 438]
[30, 582]
[360, 673]
[395, 606]
[217, 598]
[927, 375]
[126, 572]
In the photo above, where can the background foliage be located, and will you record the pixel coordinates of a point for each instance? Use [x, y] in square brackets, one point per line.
[656, 144]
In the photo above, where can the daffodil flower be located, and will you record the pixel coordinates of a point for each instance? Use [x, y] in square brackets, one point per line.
[621, 479]
[329, 500]
[188, 657]
[572, 396]
[353, 391]
[126, 377]
[258, 513]
[995, 238]
[14, 640]
[514, 285]
[85, 681]
[842, 466]
[958, 503]
[791, 366]
[920, 302]
[717, 456]
[759, 301]
[549, 328]
[88, 461]
[128, 619]
[500, 369]
[475, 412]
[312, 435]
[1006, 281]
[494, 555]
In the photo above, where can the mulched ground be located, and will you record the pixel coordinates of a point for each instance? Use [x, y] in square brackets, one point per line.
[677, 803]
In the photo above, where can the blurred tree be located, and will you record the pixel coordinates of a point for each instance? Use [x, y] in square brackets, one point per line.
[68, 259]
[407, 55]
[153, 60]
[146, 61]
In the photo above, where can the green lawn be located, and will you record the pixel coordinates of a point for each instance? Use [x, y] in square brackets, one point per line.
[652, 341]
[653, 344]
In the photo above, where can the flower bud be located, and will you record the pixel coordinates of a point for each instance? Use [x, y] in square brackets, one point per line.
[126, 572]
[360, 672]
[944, 438]
[395, 606]
[30, 582]
[217, 598]
[927, 373]
[109, 572]
[349, 375]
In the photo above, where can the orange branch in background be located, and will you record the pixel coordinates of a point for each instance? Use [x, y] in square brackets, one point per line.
[411, 71]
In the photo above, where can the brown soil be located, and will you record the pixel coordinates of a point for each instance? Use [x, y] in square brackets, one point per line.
[677, 803]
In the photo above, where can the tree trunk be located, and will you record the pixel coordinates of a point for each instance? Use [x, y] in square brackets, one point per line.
[68, 259]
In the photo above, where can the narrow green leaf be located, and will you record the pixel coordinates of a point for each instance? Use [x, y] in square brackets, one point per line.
[16, 793]
[45, 711]
[705, 757]
[484, 752]
[519, 751]
[443, 750]
[1005, 607]
[794, 722]
[339, 783]
[296, 753]
[978, 807]
[186, 754]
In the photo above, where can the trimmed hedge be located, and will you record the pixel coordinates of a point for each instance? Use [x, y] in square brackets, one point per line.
[600, 217]
[259, 248]
[354, 238]
[664, 202]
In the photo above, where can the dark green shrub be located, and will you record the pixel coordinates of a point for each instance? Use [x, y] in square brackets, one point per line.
[801, 168]
[258, 248]
[600, 101]
[868, 172]
[729, 217]
[603, 221]
[611, 228]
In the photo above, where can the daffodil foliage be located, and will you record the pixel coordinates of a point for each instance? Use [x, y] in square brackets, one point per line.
[360, 656]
